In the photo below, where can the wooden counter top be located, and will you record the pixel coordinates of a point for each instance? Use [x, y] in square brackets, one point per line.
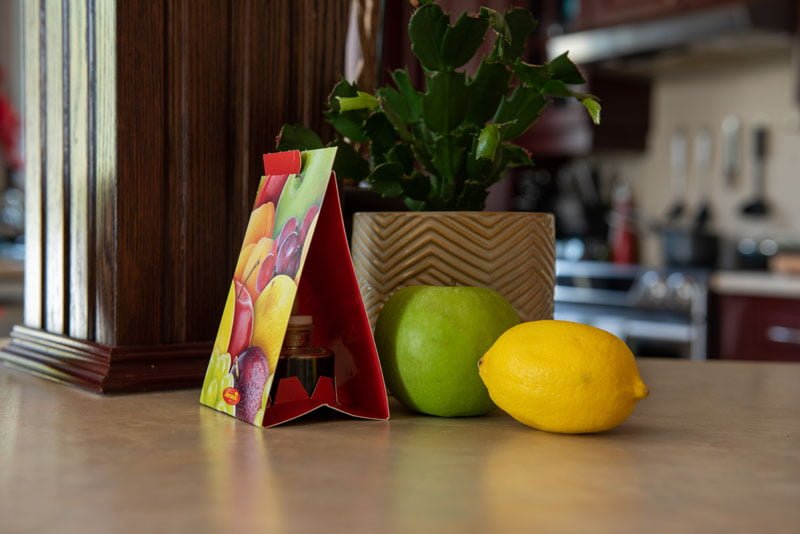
[715, 448]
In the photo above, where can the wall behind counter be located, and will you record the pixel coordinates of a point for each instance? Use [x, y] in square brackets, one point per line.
[760, 90]
[11, 50]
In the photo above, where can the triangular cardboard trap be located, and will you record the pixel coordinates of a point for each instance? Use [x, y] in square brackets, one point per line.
[294, 262]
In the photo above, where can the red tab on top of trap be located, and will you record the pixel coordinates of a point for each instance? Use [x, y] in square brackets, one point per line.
[289, 162]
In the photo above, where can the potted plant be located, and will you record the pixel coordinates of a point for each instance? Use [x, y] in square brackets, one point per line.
[440, 149]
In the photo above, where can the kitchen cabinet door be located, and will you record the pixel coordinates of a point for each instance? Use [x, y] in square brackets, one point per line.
[757, 328]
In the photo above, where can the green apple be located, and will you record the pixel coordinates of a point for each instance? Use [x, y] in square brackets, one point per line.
[430, 340]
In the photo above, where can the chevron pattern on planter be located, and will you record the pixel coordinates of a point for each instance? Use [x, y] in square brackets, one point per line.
[510, 252]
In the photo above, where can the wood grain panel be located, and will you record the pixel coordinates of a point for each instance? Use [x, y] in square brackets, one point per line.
[198, 66]
[81, 258]
[316, 63]
[34, 177]
[144, 156]
[175, 188]
[258, 67]
[209, 172]
[103, 368]
[141, 167]
[102, 22]
[55, 215]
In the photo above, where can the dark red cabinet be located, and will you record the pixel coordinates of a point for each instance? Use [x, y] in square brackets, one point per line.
[756, 328]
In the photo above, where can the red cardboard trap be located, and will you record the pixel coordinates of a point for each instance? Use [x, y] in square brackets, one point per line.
[295, 263]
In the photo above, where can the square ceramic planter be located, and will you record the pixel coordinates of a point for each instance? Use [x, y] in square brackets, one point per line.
[510, 252]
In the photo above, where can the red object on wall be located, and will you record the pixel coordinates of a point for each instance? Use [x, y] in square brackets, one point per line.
[624, 243]
[9, 132]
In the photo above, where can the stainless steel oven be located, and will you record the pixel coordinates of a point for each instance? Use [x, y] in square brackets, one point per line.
[657, 312]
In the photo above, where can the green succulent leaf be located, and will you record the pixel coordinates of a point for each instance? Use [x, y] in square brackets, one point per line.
[426, 29]
[402, 155]
[416, 187]
[382, 136]
[349, 163]
[563, 69]
[343, 88]
[556, 88]
[397, 111]
[488, 140]
[398, 106]
[532, 75]
[472, 197]
[361, 101]
[448, 155]
[593, 107]
[412, 97]
[521, 109]
[297, 137]
[485, 91]
[445, 103]
[440, 149]
[462, 40]
[349, 124]
[497, 22]
[521, 24]
[385, 179]
[414, 205]
[516, 156]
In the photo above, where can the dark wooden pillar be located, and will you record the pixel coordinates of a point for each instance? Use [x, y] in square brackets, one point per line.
[145, 124]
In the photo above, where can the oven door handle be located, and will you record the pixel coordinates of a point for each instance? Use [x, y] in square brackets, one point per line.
[784, 334]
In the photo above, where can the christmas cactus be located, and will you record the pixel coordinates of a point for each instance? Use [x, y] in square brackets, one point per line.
[442, 148]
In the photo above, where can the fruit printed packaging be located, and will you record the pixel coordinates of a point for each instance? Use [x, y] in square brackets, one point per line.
[294, 261]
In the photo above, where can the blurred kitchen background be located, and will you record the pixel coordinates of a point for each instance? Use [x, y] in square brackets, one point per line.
[11, 178]
[678, 218]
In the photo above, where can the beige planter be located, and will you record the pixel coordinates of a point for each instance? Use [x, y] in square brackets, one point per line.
[510, 252]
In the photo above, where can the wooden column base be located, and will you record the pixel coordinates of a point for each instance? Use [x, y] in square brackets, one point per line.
[103, 368]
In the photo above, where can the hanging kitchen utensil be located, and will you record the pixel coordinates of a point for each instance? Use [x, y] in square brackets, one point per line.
[731, 144]
[702, 165]
[758, 206]
[679, 159]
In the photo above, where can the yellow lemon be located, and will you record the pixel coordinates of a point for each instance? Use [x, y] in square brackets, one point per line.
[271, 316]
[562, 377]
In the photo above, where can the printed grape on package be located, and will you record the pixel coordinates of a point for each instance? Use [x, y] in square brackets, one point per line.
[294, 261]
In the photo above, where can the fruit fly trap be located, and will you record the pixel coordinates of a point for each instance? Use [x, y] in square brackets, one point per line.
[294, 334]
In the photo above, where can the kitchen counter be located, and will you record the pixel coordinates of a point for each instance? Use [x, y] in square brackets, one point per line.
[715, 448]
[755, 283]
